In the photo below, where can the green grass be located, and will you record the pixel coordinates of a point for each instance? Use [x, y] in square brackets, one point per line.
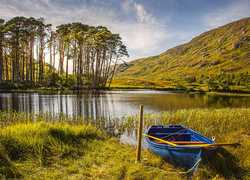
[40, 144]
[46, 150]
[210, 54]
[227, 125]
[47, 146]
[174, 85]
[134, 83]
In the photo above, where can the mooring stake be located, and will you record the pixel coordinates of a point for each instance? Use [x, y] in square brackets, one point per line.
[138, 154]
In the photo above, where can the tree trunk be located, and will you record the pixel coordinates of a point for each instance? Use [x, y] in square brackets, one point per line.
[17, 59]
[27, 67]
[1, 58]
[113, 71]
[54, 57]
[23, 69]
[50, 51]
[31, 61]
[6, 66]
[67, 65]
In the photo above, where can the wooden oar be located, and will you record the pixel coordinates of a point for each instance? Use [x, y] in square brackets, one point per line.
[195, 145]
[217, 144]
[183, 142]
[167, 142]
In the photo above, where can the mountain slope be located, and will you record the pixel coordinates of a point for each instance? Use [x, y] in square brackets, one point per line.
[222, 50]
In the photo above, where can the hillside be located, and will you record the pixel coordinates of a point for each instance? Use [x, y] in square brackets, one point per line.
[219, 51]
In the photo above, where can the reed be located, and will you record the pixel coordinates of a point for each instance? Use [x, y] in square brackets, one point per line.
[49, 146]
[40, 142]
[227, 125]
[44, 150]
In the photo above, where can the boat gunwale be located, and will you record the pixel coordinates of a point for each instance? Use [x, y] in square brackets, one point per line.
[180, 147]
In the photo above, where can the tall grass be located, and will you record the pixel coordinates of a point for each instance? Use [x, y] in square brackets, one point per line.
[40, 143]
[46, 150]
[48, 146]
[227, 125]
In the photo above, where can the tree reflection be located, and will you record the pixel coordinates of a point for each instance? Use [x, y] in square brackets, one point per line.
[113, 104]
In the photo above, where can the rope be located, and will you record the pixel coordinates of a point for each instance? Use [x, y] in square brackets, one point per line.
[180, 131]
[180, 134]
[188, 171]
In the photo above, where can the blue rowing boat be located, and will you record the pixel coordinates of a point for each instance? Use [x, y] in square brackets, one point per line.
[180, 145]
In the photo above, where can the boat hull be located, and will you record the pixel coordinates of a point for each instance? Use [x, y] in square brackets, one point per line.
[185, 157]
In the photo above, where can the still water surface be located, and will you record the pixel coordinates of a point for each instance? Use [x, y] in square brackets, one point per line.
[114, 103]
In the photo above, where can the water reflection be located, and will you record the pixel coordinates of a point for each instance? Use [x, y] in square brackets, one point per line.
[114, 103]
[90, 105]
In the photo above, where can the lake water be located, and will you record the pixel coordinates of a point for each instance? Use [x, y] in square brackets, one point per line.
[114, 103]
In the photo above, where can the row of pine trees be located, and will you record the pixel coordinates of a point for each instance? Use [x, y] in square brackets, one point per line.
[24, 43]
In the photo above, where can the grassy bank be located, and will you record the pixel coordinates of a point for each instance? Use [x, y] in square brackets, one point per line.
[45, 150]
[176, 85]
[46, 146]
[227, 125]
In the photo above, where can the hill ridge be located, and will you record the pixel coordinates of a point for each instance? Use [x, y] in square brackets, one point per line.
[225, 49]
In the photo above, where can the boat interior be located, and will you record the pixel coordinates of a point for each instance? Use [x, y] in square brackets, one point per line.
[176, 133]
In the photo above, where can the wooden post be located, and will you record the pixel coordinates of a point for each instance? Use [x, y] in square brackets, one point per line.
[138, 155]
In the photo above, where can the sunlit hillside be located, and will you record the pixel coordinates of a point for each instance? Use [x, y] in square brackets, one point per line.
[224, 50]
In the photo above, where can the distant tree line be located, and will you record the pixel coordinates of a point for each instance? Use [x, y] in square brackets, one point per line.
[24, 42]
[222, 81]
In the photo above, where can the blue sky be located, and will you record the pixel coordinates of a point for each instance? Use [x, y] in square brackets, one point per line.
[147, 27]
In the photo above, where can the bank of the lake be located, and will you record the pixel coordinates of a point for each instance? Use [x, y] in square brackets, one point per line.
[179, 85]
[138, 83]
[46, 146]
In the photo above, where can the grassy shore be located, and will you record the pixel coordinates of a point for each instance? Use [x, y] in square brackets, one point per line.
[174, 85]
[47, 146]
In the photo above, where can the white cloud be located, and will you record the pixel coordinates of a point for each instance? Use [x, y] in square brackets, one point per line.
[141, 32]
[142, 37]
[142, 14]
[126, 6]
[235, 11]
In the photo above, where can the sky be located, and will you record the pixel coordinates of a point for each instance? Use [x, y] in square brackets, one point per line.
[147, 27]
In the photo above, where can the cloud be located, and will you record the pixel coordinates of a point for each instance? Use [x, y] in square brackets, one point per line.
[142, 14]
[140, 30]
[126, 6]
[234, 11]
[141, 37]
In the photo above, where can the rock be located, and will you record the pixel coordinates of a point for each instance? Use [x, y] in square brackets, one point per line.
[203, 50]
[193, 64]
[235, 45]
[203, 63]
[219, 42]
[215, 62]
[244, 38]
[246, 55]
[243, 31]
[204, 55]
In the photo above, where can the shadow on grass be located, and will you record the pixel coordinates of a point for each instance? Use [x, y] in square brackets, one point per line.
[226, 165]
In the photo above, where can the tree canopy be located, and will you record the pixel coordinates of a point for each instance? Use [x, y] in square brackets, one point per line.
[24, 42]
